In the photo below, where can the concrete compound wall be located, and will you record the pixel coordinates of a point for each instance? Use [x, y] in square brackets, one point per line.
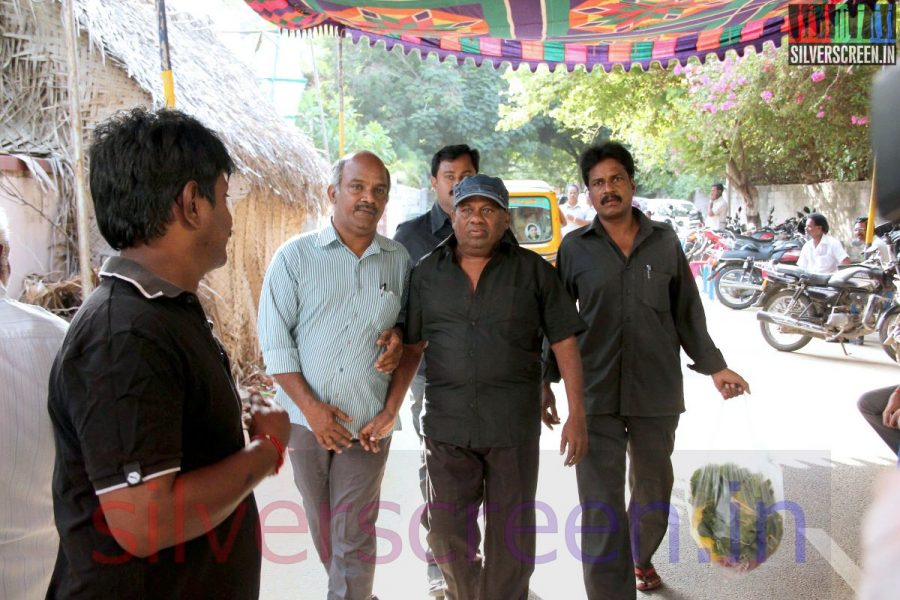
[840, 202]
[28, 209]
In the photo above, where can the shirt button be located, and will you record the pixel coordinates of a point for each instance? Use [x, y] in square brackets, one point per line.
[341, 370]
[627, 292]
[471, 405]
[472, 323]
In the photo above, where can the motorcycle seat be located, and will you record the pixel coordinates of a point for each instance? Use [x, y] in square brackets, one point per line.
[812, 278]
[844, 279]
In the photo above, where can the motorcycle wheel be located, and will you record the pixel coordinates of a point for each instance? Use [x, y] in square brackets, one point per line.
[780, 340]
[736, 298]
[883, 333]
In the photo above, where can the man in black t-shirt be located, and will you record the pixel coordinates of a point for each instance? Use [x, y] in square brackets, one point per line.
[152, 488]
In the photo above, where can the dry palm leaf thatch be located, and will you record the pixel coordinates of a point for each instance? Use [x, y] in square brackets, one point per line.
[62, 297]
[279, 187]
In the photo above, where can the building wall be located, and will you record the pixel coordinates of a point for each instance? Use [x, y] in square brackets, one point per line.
[840, 202]
[30, 212]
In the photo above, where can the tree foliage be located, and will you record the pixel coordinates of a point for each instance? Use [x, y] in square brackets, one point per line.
[405, 108]
[755, 119]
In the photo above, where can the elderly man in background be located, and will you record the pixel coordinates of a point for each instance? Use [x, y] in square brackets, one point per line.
[29, 339]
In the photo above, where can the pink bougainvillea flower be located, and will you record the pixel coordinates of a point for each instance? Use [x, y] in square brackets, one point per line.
[766, 95]
[817, 76]
[820, 114]
[731, 96]
[854, 120]
[678, 70]
[726, 105]
[800, 98]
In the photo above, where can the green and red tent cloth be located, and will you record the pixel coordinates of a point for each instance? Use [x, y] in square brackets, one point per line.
[554, 32]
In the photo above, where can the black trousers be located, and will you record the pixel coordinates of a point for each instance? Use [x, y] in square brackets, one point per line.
[872, 405]
[503, 481]
[613, 541]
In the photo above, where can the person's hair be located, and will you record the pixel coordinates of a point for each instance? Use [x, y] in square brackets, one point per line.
[719, 186]
[597, 154]
[4, 246]
[820, 220]
[140, 161]
[337, 169]
[861, 220]
[451, 153]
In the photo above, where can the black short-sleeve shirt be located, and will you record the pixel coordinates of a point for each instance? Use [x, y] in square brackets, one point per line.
[483, 358]
[141, 388]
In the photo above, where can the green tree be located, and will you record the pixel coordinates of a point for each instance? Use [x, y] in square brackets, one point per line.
[755, 119]
[421, 105]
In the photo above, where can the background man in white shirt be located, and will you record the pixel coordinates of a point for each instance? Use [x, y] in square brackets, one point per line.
[822, 253]
[577, 214]
[29, 339]
[718, 206]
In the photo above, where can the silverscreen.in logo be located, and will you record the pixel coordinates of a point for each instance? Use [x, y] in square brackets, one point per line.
[842, 33]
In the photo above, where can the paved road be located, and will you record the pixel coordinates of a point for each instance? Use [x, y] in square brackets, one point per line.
[802, 416]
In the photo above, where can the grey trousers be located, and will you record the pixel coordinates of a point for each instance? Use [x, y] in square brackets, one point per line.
[340, 496]
[872, 405]
[613, 541]
[504, 481]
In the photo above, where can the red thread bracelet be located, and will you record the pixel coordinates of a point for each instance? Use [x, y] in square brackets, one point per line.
[279, 447]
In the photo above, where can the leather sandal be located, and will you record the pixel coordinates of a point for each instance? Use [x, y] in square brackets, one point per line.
[646, 579]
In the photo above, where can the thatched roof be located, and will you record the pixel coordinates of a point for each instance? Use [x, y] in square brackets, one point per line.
[210, 84]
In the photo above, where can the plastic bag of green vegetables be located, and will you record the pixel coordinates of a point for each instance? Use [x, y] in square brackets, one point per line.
[733, 515]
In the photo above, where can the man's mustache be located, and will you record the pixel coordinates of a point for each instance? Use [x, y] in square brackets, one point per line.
[609, 198]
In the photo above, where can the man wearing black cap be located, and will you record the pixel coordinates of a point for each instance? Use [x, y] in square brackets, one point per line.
[479, 306]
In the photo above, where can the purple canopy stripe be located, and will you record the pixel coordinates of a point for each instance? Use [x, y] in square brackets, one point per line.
[553, 32]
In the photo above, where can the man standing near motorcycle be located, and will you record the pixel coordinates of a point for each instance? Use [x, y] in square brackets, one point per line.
[822, 253]
[718, 206]
[638, 297]
[858, 248]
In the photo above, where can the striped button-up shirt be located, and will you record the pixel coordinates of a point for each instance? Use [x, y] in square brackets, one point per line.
[320, 312]
[29, 339]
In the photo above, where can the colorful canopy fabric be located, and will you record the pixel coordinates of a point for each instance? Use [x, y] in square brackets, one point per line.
[531, 32]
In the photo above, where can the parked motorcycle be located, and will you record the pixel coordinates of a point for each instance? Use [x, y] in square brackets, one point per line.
[740, 273]
[841, 306]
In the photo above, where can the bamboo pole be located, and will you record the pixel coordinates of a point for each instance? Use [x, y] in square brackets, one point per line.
[340, 94]
[325, 144]
[165, 62]
[76, 128]
[873, 204]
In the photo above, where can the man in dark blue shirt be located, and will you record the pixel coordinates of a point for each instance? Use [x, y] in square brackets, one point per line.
[420, 235]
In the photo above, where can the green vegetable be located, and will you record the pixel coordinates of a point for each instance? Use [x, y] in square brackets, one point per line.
[728, 498]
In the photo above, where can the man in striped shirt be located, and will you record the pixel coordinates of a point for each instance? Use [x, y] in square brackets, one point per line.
[329, 303]
[29, 339]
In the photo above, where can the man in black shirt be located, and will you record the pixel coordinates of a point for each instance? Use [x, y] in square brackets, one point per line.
[152, 488]
[420, 235]
[480, 307]
[636, 292]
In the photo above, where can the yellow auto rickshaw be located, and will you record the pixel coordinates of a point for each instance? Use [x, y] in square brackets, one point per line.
[535, 217]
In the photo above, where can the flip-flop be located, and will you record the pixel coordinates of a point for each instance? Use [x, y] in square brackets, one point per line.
[646, 579]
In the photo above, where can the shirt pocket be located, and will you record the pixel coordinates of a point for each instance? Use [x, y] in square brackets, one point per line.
[656, 290]
[387, 307]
